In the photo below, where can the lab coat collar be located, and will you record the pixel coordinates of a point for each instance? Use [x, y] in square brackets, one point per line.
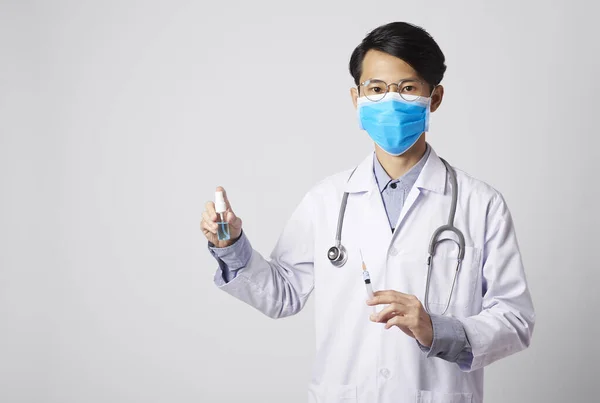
[432, 177]
[363, 178]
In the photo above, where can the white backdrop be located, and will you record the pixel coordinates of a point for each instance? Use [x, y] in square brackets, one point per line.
[119, 118]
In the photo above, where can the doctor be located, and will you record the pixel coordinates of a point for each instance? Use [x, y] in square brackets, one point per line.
[413, 349]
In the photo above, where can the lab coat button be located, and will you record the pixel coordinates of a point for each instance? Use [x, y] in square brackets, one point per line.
[385, 372]
[393, 251]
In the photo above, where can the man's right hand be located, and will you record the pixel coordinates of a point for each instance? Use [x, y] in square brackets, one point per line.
[210, 219]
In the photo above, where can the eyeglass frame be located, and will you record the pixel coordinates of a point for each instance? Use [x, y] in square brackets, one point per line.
[387, 87]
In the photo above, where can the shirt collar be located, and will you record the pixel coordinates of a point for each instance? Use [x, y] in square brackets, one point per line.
[409, 178]
[432, 176]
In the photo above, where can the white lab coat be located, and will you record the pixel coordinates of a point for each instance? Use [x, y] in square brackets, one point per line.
[358, 361]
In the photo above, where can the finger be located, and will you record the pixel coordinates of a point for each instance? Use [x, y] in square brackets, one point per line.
[385, 313]
[209, 219]
[393, 292]
[384, 292]
[389, 312]
[222, 189]
[387, 297]
[400, 321]
[380, 299]
[233, 220]
[208, 227]
[210, 209]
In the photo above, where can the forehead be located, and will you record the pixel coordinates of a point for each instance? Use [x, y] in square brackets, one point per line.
[385, 67]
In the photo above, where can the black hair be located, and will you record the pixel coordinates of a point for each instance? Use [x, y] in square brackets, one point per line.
[405, 41]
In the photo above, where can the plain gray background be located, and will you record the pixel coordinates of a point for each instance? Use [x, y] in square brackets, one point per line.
[119, 118]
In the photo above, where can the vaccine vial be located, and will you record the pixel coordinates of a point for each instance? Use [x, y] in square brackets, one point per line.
[222, 224]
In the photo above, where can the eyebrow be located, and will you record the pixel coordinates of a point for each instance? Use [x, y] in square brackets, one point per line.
[396, 81]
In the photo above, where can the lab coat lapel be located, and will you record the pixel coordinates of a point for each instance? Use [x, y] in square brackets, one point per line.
[376, 220]
[375, 233]
[432, 178]
[413, 195]
[376, 236]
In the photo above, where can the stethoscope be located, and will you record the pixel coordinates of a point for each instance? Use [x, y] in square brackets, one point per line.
[338, 255]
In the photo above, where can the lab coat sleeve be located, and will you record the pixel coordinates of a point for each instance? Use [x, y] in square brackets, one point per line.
[279, 286]
[505, 324]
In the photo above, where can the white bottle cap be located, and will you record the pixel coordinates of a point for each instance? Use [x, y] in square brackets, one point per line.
[220, 206]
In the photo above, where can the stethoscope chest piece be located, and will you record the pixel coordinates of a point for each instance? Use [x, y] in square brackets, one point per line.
[337, 255]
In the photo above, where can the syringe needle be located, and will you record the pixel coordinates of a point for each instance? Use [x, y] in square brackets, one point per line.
[364, 266]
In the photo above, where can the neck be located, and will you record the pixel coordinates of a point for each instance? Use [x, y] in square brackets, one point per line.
[396, 166]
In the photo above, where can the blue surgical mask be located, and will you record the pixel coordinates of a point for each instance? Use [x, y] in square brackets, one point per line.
[394, 123]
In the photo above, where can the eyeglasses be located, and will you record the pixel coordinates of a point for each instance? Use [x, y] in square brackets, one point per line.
[409, 89]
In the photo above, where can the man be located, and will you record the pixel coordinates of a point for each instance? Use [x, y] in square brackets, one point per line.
[436, 326]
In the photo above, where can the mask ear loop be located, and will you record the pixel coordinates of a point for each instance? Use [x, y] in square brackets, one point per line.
[428, 112]
[360, 126]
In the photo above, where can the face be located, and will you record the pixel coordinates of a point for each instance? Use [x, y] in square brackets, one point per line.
[382, 66]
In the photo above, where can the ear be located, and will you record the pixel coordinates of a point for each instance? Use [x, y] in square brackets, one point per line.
[354, 95]
[436, 97]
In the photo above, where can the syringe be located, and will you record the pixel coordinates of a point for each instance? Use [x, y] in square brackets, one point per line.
[367, 279]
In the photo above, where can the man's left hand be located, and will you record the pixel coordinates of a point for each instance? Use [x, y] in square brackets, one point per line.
[404, 311]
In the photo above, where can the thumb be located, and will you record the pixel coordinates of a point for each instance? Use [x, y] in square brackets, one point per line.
[233, 220]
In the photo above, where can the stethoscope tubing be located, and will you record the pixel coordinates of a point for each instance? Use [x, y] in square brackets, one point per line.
[338, 255]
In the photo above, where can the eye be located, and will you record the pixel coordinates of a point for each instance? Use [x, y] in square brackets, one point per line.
[409, 88]
[375, 89]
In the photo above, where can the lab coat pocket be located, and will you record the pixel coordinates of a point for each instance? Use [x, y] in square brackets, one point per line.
[331, 393]
[426, 396]
[443, 270]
